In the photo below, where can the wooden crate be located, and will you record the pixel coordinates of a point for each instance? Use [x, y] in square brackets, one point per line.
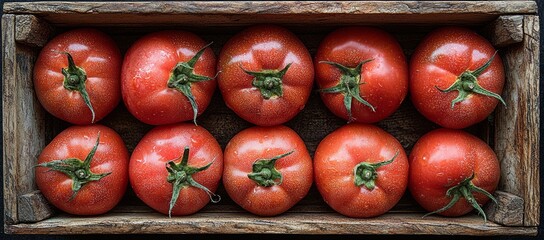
[512, 26]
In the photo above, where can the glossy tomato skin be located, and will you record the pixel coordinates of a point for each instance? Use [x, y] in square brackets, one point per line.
[98, 55]
[95, 197]
[384, 79]
[256, 143]
[341, 151]
[148, 174]
[442, 159]
[147, 67]
[265, 47]
[437, 62]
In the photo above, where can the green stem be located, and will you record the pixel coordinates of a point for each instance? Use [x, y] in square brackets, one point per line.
[183, 76]
[74, 80]
[349, 85]
[464, 190]
[268, 81]
[467, 84]
[181, 176]
[365, 173]
[265, 173]
[77, 170]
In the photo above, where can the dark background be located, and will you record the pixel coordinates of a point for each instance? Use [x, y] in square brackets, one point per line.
[265, 237]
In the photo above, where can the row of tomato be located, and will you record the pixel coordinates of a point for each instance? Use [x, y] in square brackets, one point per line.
[265, 75]
[359, 169]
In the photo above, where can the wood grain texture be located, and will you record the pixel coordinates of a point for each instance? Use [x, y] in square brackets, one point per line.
[289, 223]
[33, 207]
[9, 117]
[23, 124]
[517, 126]
[508, 211]
[295, 12]
[506, 30]
[31, 30]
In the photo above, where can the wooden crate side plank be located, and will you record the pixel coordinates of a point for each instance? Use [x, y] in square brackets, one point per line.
[288, 223]
[9, 118]
[516, 134]
[237, 13]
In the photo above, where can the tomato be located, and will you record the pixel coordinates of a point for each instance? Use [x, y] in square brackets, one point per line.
[267, 169]
[452, 172]
[360, 170]
[84, 170]
[362, 73]
[455, 77]
[175, 169]
[76, 76]
[265, 75]
[167, 77]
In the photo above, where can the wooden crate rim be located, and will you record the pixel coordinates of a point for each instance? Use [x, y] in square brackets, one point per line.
[276, 8]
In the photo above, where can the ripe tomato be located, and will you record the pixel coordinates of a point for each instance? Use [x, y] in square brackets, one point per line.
[363, 64]
[452, 172]
[167, 77]
[456, 77]
[267, 169]
[175, 169]
[84, 170]
[265, 75]
[76, 76]
[360, 170]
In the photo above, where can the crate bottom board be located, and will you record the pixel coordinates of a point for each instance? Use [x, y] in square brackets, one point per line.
[287, 223]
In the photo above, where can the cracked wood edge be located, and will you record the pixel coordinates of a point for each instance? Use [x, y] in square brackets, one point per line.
[517, 134]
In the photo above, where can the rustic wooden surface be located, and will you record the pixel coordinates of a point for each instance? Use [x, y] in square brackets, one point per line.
[23, 125]
[506, 30]
[9, 117]
[516, 127]
[508, 211]
[293, 13]
[31, 30]
[33, 207]
[517, 131]
[289, 223]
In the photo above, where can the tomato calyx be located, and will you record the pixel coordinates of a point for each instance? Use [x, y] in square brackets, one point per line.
[464, 189]
[269, 81]
[181, 176]
[74, 80]
[182, 76]
[264, 172]
[467, 84]
[349, 85]
[365, 173]
[79, 171]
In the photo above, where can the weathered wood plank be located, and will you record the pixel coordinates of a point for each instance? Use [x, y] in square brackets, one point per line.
[296, 12]
[31, 31]
[506, 30]
[508, 211]
[9, 117]
[33, 207]
[289, 223]
[517, 127]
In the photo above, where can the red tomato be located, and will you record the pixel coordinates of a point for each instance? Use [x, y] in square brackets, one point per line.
[175, 169]
[455, 77]
[265, 75]
[362, 73]
[84, 170]
[452, 167]
[76, 76]
[360, 170]
[167, 77]
[267, 169]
